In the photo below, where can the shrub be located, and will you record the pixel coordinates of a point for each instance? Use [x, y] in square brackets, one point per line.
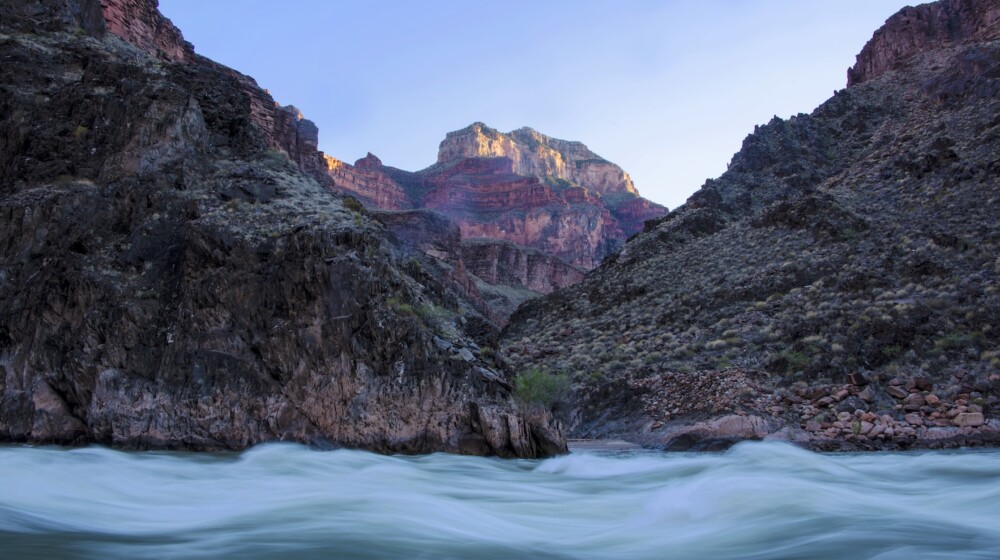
[353, 204]
[276, 158]
[535, 387]
[795, 360]
[396, 303]
[892, 352]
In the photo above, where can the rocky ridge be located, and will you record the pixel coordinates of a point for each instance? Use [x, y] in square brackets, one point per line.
[838, 286]
[917, 30]
[175, 273]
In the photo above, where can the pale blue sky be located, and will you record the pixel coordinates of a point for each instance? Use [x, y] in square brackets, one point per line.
[666, 89]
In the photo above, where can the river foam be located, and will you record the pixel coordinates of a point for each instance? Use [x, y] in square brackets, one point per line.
[756, 501]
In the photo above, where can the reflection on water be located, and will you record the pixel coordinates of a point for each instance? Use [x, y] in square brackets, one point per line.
[756, 501]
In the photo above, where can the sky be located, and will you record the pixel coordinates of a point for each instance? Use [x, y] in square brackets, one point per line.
[666, 89]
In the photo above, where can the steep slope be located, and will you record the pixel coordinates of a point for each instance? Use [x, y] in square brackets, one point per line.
[858, 243]
[175, 273]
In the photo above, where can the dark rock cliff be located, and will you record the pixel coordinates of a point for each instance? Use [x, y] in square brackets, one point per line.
[918, 30]
[173, 274]
[857, 243]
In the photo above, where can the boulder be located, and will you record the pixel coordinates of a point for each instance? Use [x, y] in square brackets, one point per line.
[969, 419]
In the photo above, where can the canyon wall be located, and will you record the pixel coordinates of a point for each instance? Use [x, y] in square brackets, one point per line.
[836, 287]
[176, 273]
[915, 30]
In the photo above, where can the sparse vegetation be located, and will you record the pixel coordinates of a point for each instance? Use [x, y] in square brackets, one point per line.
[535, 387]
[799, 262]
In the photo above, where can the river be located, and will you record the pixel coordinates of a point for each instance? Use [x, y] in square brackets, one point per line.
[755, 501]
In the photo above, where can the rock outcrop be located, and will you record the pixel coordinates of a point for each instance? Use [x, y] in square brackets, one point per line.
[53, 15]
[523, 187]
[367, 181]
[549, 194]
[507, 274]
[927, 27]
[502, 262]
[536, 155]
[839, 282]
[175, 273]
[140, 23]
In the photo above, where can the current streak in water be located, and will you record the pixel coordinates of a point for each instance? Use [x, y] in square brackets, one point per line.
[757, 501]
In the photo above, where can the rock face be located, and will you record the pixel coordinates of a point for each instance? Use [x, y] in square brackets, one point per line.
[534, 154]
[507, 274]
[500, 262]
[544, 193]
[367, 181]
[438, 241]
[544, 201]
[140, 23]
[855, 244]
[53, 15]
[551, 195]
[927, 27]
[175, 273]
[486, 199]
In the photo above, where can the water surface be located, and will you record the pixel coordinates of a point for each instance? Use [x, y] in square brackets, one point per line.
[756, 501]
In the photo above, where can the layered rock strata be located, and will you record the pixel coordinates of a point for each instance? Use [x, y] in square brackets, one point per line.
[536, 155]
[542, 194]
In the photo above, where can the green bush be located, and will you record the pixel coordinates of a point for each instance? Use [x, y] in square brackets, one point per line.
[276, 157]
[396, 303]
[353, 204]
[795, 360]
[536, 387]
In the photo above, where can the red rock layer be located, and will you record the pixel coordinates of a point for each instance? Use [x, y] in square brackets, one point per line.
[283, 129]
[915, 30]
[486, 198]
[535, 154]
[139, 22]
[576, 234]
[367, 180]
[632, 214]
[485, 185]
[499, 262]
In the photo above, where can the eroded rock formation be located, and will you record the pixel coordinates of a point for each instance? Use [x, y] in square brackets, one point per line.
[544, 195]
[537, 155]
[912, 31]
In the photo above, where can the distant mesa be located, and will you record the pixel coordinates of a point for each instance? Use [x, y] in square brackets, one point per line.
[524, 187]
[538, 155]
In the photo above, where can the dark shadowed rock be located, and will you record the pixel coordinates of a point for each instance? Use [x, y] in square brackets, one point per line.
[860, 238]
[175, 273]
[925, 28]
